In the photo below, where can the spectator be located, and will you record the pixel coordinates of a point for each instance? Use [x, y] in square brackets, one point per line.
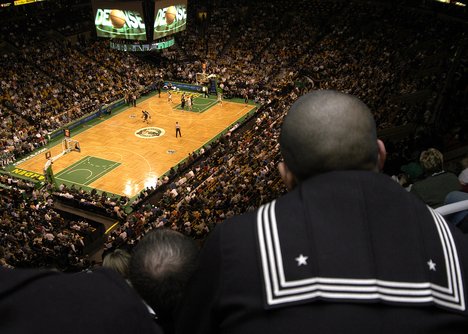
[36, 301]
[458, 217]
[347, 249]
[398, 68]
[438, 183]
[463, 177]
[160, 267]
[118, 261]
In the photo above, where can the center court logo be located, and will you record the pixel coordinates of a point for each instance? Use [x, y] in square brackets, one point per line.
[151, 132]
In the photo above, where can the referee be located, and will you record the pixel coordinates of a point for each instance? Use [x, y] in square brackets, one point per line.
[177, 130]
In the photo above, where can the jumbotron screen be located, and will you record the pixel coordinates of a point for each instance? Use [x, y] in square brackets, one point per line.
[170, 17]
[119, 19]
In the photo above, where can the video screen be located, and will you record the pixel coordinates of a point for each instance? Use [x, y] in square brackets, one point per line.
[123, 20]
[170, 17]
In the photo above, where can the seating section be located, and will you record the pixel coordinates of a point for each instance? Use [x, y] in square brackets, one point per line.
[404, 63]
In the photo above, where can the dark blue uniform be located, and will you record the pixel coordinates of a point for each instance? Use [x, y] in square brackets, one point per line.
[344, 252]
[34, 301]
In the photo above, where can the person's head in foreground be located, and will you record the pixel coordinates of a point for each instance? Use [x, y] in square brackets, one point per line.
[118, 261]
[327, 131]
[160, 267]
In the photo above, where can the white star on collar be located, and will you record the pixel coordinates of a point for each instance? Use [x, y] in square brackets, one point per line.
[431, 264]
[301, 260]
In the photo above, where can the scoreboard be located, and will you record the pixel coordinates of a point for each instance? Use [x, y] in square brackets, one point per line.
[139, 20]
[124, 20]
[170, 17]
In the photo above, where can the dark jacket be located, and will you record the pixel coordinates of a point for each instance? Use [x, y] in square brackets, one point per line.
[344, 252]
[35, 301]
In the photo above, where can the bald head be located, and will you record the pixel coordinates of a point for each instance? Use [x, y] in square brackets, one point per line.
[327, 131]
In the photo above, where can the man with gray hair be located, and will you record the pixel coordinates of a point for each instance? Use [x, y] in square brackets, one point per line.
[160, 267]
[347, 250]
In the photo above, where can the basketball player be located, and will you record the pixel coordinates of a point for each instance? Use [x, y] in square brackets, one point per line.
[182, 101]
[145, 116]
[189, 102]
[220, 98]
[177, 130]
[169, 96]
[48, 171]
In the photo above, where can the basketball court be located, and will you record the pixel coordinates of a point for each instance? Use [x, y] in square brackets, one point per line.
[123, 154]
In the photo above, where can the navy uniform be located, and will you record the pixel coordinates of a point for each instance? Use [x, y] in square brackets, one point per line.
[344, 252]
[34, 301]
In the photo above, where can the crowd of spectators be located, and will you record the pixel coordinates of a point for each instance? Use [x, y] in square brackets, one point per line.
[99, 203]
[385, 56]
[33, 233]
[343, 59]
[396, 67]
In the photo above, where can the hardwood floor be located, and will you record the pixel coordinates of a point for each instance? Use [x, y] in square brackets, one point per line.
[143, 160]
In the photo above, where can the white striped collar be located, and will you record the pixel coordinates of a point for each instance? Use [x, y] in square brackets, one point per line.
[281, 291]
